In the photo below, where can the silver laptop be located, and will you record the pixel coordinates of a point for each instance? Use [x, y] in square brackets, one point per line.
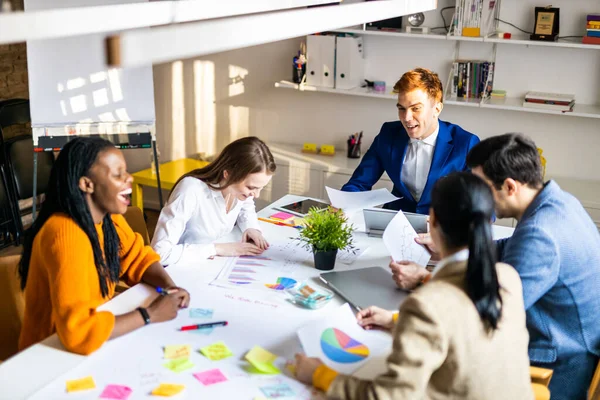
[366, 287]
[377, 219]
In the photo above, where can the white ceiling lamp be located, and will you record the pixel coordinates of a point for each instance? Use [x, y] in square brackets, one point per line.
[21, 26]
[173, 42]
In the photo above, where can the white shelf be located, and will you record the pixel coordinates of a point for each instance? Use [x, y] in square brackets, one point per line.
[458, 101]
[368, 32]
[465, 38]
[508, 103]
[524, 40]
[363, 92]
[516, 104]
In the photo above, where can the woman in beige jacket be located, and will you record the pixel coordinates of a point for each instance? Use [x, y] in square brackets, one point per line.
[461, 335]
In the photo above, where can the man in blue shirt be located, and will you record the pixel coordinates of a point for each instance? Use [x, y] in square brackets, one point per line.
[417, 150]
[555, 248]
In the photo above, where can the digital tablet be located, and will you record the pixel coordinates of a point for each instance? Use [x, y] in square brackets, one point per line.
[300, 208]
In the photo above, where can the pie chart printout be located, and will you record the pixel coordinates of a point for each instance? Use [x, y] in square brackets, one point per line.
[341, 348]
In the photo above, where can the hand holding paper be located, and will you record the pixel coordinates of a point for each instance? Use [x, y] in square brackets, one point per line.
[399, 239]
[353, 201]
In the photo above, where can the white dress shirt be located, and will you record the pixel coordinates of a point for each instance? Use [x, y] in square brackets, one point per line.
[417, 162]
[462, 255]
[194, 218]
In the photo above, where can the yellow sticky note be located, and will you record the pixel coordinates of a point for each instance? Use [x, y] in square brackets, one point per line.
[179, 364]
[177, 351]
[328, 149]
[309, 147]
[216, 351]
[81, 384]
[167, 389]
[262, 360]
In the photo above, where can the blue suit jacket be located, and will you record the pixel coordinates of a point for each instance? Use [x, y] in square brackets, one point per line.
[387, 154]
[556, 250]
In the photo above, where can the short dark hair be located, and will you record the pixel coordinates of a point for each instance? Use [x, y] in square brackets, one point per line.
[511, 155]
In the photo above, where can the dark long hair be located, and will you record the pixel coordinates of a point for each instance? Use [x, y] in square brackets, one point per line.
[64, 196]
[239, 158]
[463, 205]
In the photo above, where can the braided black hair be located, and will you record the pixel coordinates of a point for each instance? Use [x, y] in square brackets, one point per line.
[64, 196]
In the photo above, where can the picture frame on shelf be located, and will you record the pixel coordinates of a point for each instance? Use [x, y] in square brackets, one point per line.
[547, 24]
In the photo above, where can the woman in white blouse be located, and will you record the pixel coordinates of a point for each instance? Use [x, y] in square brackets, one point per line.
[205, 204]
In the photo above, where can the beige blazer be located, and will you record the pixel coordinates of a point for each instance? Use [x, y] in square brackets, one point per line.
[441, 349]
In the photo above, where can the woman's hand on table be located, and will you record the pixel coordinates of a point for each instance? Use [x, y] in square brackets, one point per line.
[254, 236]
[237, 249]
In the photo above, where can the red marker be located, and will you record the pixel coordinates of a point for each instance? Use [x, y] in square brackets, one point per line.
[200, 326]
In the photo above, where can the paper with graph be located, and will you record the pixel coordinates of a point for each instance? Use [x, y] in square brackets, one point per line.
[353, 201]
[341, 343]
[274, 270]
[399, 239]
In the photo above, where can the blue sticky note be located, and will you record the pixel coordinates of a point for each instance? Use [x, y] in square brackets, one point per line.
[277, 391]
[203, 331]
[201, 313]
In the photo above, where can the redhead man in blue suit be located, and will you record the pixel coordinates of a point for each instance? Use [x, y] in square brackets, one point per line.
[417, 150]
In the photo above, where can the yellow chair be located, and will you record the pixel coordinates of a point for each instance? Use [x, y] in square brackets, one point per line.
[540, 379]
[13, 306]
[594, 390]
[170, 172]
[135, 218]
[540, 375]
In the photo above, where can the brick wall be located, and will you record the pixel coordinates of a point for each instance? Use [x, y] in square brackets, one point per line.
[13, 76]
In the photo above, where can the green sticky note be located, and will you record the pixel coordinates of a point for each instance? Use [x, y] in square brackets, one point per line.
[216, 351]
[179, 364]
[262, 360]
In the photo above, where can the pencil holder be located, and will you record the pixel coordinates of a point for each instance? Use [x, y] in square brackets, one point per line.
[354, 150]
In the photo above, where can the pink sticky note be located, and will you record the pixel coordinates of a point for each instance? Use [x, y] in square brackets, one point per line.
[210, 377]
[116, 392]
[282, 216]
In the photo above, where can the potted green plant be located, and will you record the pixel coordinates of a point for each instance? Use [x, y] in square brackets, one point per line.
[325, 232]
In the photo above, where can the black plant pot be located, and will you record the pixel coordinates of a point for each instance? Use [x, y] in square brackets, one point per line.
[325, 260]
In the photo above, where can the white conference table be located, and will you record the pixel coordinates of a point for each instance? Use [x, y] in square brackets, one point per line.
[135, 360]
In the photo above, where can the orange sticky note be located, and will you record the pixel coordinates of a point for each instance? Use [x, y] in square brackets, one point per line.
[167, 389]
[177, 351]
[81, 384]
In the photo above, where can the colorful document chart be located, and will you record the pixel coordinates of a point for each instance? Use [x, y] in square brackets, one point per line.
[281, 284]
[272, 270]
[341, 348]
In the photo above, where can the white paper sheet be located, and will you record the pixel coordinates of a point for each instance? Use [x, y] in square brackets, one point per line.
[272, 271]
[353, 201]
[399, 239]
[341, 343]
[348, 257]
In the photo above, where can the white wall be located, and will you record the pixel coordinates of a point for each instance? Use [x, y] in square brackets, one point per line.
[204, 103]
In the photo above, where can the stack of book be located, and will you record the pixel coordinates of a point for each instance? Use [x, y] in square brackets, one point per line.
[549, 101]
[474, 17]
[593, 29]
[472, 79]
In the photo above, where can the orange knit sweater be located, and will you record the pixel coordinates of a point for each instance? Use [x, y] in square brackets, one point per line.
[63, 289]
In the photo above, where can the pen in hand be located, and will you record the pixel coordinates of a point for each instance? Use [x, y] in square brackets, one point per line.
[165, 292]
